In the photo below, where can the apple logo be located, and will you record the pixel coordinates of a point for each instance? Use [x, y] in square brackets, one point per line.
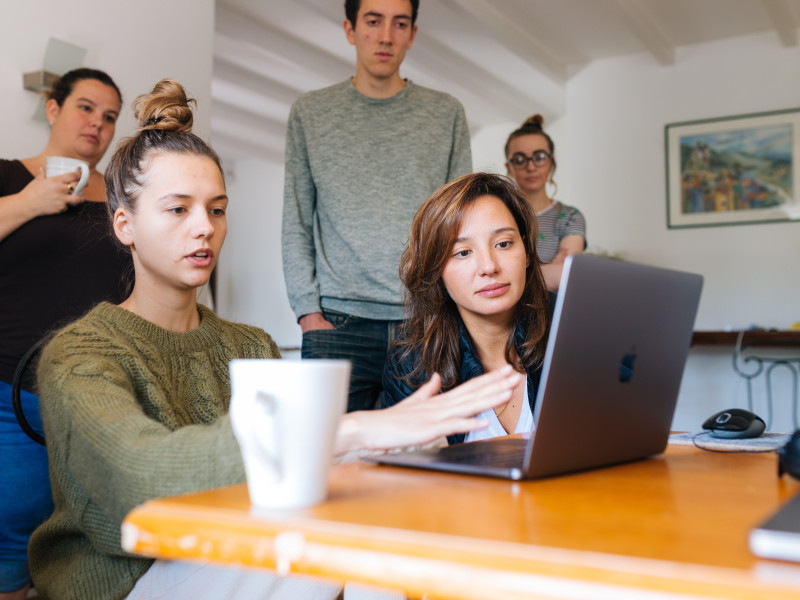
[626, 366]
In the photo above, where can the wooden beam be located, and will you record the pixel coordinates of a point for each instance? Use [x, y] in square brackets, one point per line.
[641, 23]
[255, 121]
[230, 148]
[780, 13]
[437, 58]
[254, 82]
[279, 42]
[515, 37]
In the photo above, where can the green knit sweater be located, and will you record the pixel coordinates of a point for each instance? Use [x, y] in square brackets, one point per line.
[131, 412]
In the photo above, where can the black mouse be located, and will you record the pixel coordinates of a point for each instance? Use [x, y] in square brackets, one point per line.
[735, 423]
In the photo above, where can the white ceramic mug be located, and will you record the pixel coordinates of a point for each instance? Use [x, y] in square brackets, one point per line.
[285, 414]
[58, 165]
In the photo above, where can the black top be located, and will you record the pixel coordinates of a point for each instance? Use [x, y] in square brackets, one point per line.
[53, 269]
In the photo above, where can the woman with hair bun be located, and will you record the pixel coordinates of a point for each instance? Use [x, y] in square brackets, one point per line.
[135, 396]
[57, 260]
[531, 162]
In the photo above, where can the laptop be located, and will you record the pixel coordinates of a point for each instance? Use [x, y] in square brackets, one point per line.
[612, 370]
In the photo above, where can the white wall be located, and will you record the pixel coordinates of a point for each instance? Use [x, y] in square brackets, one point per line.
[610, 148]
[614, 170]
[137, 43]
[250, 284]
[612, 167]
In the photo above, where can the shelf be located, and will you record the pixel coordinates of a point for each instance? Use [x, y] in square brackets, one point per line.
[788, 337]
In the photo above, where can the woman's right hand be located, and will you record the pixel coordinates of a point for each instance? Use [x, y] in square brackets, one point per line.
[427, 415]
[51, 195]
[42, 196]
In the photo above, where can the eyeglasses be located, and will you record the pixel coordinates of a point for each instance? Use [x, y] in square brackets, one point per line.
[539, 158]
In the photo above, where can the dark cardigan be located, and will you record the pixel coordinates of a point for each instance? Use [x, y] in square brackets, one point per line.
[396, 389]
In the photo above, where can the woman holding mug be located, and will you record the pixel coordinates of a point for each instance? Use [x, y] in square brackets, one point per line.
[475, 300]
[531, 162]
[57, 260]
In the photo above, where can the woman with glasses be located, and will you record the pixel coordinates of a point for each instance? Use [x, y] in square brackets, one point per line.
[530, 160]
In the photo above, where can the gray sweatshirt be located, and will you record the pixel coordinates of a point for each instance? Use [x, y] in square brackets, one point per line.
[357, 170]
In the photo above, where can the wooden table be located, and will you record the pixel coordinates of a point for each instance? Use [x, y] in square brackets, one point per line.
[675, 526]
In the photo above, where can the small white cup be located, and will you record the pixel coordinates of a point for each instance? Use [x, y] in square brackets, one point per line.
[285, 414]
[58, 165]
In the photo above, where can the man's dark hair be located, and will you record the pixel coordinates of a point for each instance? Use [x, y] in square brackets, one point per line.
[351, 11]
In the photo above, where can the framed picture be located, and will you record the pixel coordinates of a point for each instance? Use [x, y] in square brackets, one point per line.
[733, 170]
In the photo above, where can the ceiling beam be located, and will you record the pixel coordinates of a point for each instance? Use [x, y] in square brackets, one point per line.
[780, 13]
[448, 65]
[247, 129]
[641, 23]
[270, 38]
[232, 148]
[515, 37]
[259, 124]
[254, 82]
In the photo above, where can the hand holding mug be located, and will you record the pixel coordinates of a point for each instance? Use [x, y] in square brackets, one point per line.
[60, 165]
[52, 195]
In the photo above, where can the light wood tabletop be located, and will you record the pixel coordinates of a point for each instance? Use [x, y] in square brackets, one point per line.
[674, 526]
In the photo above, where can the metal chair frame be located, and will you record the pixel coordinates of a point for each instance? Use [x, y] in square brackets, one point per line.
[16, 399]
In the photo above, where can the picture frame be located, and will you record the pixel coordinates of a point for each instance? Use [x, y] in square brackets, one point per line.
[735, 170]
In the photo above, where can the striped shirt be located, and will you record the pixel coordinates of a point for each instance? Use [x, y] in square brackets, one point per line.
[555, 223]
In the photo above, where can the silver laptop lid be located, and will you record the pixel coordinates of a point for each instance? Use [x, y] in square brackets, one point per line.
[612, 370]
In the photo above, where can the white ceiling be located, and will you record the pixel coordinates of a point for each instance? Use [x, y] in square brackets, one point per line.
[503, 59]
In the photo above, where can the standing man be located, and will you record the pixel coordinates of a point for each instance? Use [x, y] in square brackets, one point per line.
[361, 156]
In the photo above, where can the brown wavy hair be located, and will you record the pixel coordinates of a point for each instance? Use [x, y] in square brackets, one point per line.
[432, 326]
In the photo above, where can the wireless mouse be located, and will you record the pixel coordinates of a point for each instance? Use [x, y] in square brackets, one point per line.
[735, 423]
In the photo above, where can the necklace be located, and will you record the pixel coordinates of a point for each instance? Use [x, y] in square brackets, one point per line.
[502, 410]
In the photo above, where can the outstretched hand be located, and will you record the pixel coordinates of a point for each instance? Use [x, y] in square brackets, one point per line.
[427, 415]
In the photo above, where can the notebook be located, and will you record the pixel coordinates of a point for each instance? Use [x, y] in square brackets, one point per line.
[612, 369]
[779, 536]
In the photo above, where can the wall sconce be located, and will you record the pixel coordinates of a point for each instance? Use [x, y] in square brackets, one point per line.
[59, 57]
[36, 81]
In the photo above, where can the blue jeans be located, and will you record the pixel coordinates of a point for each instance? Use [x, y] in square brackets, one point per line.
[364, 342]
[25, 500]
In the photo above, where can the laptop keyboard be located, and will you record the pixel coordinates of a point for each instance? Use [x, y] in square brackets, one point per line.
[504, 453]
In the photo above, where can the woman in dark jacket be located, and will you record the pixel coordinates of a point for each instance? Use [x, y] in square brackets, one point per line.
[475, 298]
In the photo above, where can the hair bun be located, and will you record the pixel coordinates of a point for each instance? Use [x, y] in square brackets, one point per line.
[166, 108]
[534, 121]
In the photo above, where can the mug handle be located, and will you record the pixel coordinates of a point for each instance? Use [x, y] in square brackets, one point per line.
[268, 404]
[84, 169]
